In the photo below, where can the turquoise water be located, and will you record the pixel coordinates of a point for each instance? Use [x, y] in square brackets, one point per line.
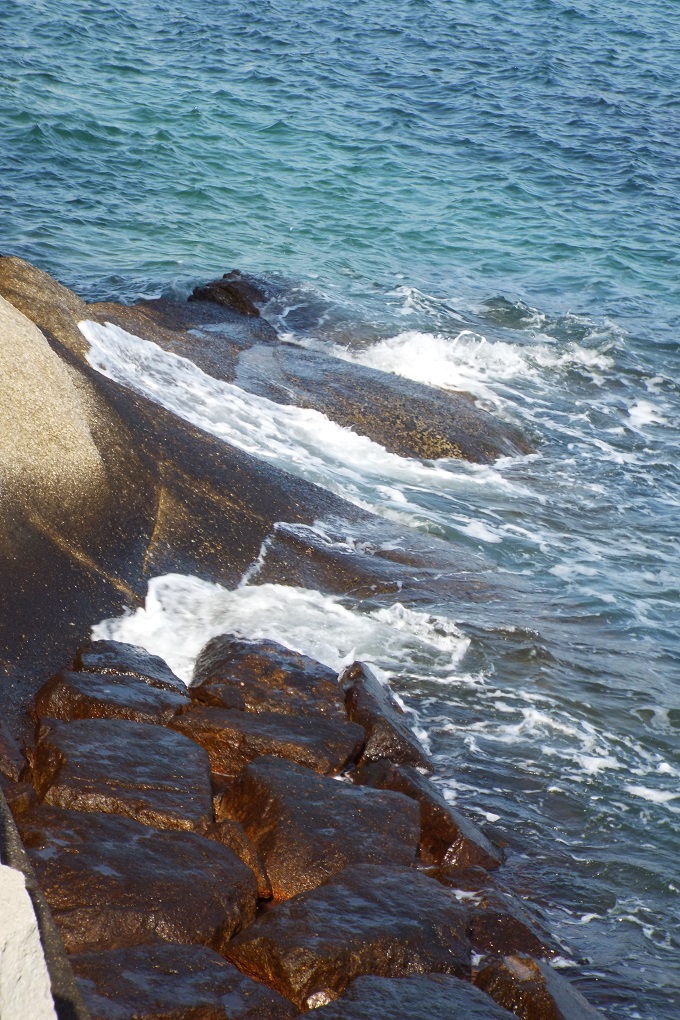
[473, 193]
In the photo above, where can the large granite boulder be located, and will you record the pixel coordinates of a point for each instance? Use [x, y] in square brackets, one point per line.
[170, 982]
[388, 735]
[112, 882]
[308, 827]
[267, 676]
[72, 695]
[233, 738]
[419, 997]
[367, 920]
[149, 773]
[116, 657]
[446, 835]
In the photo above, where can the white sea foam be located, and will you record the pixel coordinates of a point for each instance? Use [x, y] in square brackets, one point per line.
[643, 412]
[182, 613]
[468, 361]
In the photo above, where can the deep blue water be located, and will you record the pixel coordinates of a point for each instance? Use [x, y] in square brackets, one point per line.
[477, 193]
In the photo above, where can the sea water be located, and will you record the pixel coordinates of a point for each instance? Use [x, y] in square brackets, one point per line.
[475, 195]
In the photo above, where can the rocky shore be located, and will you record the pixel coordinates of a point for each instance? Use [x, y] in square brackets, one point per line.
[270, 839]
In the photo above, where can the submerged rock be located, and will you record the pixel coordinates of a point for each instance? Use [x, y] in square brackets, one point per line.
[71, 695]
[233, 738]
[419, 997]
[446, 835]
[112, 882]
[168, 982]
[267, 678]
[308, 828]
[233, 290]
[367, 920]
[533, 990]
[388, 735]
[148, 773]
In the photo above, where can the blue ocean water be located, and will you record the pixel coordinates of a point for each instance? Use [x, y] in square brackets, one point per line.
[476, 194]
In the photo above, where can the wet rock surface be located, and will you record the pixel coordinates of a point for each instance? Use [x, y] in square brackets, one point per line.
[121, 659]
[447, 836]
[388, 734]
[169, 982]
[232, 834]
[533, 990]
[500, 925]
[420, 997]
[368, 920]
[112, 882]
[308, 828]
[71, 695]
[233, 738]
[405, 417]
[236, 290]
[267, 677]
[148, 773]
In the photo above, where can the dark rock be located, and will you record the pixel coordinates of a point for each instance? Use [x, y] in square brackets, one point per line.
[406, 417]
[20, 797]
[388, 735]
[308, 827]
[148, 773]
[232, 834]
[71, 695]
[112, 882]
[446, 835]
[169, 982]
[129, 660]
[419, 997]
[233, 290]
[232, 739]
[12, 760]
[268, 677]
[500, 925]
[474, 879]
[533, 990]
[221, 694]
[367, 920]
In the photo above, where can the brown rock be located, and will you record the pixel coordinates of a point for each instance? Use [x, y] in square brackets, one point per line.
[446, 835]
[130, 660]
[267, 676]
[20, 797]
[111, 882]
[500, 925]
[232, 739]
[148, 773]
[532, 990]
[367, 920]
[308, 827]
[233, 290]
[418, 997]
[71, 695]
[232, 834]
[388, 735]
[169, 982]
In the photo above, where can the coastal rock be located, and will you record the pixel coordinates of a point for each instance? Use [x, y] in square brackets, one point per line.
[308, 827]
[232, 739]
[169, 982]
[268, 677]
[112, 882]
[231, 834]
[367, 920]
[128, 660]
[446, 835]
[71, 695]
[388, 735]
[500, 925]
[419, 997]
[405, 417]
[12, 760]
[533, 990]
[148, 773]
[234, 290]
